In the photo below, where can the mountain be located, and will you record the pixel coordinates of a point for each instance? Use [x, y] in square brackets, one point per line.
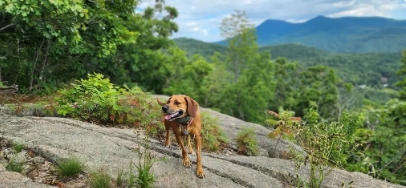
[346, 34]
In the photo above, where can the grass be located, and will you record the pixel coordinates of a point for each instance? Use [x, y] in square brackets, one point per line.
[99, 179]
[15, 165]
[70, 167]
[18, 147]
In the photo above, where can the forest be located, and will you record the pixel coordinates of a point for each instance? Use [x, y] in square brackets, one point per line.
[44, 46]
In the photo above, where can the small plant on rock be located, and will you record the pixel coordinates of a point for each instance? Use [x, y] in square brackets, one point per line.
[70, 167]
[247, 141]
[15, 165]
[99, 179]
[214, 137]
[18, 147]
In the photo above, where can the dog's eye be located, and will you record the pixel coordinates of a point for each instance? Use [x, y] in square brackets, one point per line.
[177, 103]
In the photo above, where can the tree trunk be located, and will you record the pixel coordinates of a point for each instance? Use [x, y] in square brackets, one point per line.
[45, 62]
[35, 64]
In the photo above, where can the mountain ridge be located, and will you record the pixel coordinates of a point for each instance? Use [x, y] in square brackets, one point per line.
[344, 34]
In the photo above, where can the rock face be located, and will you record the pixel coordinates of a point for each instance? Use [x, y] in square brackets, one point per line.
[113, 150]
[16, 180]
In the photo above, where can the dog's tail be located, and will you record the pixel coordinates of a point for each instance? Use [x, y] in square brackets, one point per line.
[159, 102]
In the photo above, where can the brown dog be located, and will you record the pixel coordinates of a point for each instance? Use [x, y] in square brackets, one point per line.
[183, 116]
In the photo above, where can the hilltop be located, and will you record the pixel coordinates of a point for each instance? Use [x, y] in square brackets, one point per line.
[345, 34]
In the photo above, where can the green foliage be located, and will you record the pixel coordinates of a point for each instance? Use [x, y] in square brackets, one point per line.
[214, 138]
[97, 99]
[55, 41]
[358, 69]
[146, 160]
[247, 141]
[383, 143]
[99, 179]
[402, 72]
[70, 167]
[184, 75]
[284, 124]
[15, 165]
[18, 147]
[323, 143]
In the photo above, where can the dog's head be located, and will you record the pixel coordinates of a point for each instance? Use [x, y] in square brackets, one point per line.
[179, 106]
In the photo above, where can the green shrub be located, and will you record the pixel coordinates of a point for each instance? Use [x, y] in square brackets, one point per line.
[18, 147]
[97, 99]
[99, 179]
[214, 137]
[15, 165]
[324, 143]
[247, 141]
[70, 167]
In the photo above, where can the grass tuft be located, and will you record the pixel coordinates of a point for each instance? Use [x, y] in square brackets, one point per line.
[70, 167]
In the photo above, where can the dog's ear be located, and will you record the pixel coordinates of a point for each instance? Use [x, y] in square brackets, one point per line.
[192, 107]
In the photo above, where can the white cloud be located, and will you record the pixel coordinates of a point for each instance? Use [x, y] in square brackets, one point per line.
[207, 16]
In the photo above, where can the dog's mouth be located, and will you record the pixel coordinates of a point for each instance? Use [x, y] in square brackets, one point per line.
[174, 115]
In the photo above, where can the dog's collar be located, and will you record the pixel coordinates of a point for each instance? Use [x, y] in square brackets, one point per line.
[185, 121]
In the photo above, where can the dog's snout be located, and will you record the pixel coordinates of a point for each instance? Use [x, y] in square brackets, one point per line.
[165, 108]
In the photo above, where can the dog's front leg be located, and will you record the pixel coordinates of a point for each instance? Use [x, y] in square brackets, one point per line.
[167, 138]
[186, 161]
[199, 166]
[189, 145]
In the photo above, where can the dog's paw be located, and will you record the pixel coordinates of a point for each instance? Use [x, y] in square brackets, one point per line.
[187, 163]
[192, 152]
[200, 173]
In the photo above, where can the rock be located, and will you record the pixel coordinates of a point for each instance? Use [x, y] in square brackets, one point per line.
[16, 180]
[113, 150]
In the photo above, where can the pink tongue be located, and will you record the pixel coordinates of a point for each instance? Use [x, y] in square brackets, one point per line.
[167, 117]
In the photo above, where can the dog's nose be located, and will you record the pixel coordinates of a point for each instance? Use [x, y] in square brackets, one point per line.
[165, 108]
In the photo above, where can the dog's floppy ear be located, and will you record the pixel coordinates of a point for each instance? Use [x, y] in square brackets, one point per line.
[192, 107]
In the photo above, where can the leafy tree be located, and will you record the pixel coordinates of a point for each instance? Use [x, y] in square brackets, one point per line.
[50, 42]
[251, 86]
[402, 72]
[185, 76]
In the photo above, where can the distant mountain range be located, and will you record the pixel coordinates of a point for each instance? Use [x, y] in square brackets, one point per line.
[346, 34]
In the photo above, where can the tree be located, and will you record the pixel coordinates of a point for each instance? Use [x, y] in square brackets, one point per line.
[402, 72]
[251, 86]
[51, 42]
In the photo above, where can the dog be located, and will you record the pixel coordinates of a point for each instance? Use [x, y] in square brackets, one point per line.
[182, 115]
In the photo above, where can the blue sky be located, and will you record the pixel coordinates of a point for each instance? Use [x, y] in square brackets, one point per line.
[201, 19]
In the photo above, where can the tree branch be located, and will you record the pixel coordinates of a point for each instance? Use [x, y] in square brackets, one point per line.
[7, 26]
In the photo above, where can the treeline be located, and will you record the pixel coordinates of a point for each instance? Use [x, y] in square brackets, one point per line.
[371, 69]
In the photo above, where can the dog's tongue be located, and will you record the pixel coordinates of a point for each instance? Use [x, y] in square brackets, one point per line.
[169, 116]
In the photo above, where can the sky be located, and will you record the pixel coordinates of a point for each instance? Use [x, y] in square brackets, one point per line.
[201, 19]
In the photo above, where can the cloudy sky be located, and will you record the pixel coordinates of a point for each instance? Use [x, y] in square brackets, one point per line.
[201, 19]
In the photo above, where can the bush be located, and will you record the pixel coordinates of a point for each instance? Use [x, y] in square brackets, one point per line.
[214, 137]
[70, 167]
[247, 141]
[97, 99]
